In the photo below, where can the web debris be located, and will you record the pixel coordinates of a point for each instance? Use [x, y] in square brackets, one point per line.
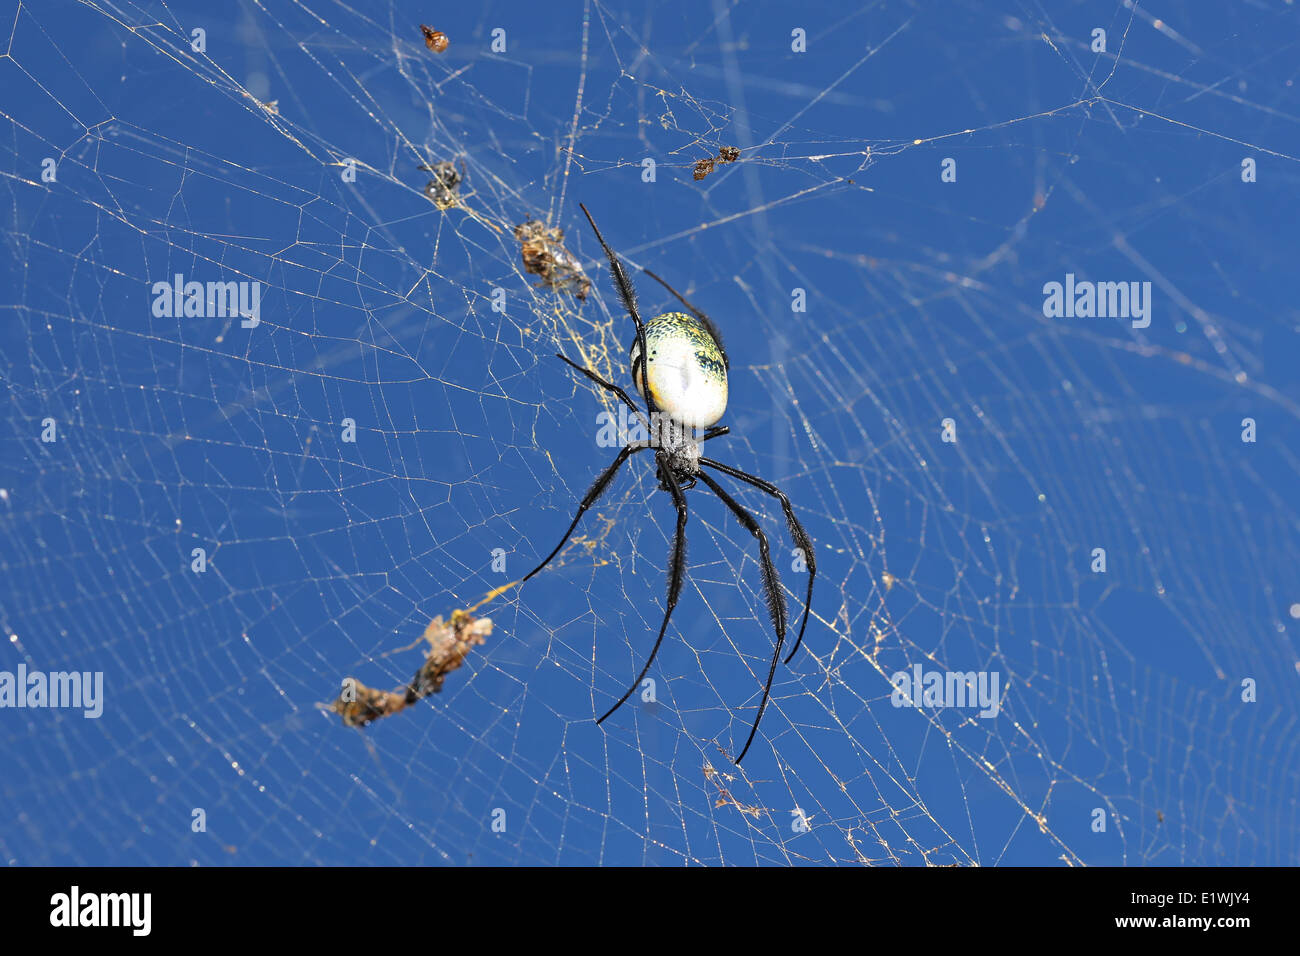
[726, 154]
[544, 255]
[442, 188]
[435, 40]
[449, 644]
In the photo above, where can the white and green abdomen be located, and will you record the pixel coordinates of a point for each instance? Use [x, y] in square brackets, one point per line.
[688, 376]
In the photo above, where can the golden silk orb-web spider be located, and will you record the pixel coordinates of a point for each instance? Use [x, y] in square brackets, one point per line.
[683, 381]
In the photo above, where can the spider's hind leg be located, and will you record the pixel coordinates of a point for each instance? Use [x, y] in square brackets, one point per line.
[626, 292]
[608, 386]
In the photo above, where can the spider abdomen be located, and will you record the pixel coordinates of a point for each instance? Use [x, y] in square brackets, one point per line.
[688, 373]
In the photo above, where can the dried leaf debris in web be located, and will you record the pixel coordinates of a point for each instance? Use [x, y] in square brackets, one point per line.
[449, 644]
[726, 154]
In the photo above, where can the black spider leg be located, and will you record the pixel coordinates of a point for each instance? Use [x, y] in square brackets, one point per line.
[676, 572]
[704, 319]
[593, 493]
[628, 295]
[610, 386]
[801, 539]
[772, 593]
[717, 431]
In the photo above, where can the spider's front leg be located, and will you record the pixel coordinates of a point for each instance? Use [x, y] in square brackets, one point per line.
[772, 593]
[676, 573]
[593, 493]
[797, 533]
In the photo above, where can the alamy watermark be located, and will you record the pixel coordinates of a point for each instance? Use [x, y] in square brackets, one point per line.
[127, 910]
[919, 688]
[1085, 299]
[617, 430]
[75, 689]
[177, 298]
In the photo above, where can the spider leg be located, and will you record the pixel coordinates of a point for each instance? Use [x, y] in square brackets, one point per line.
[704, 319]
[676, 572]
[609, 386]
[594, 492]
[801, 539]
[628, 294]
[717, 431]
[771, 591]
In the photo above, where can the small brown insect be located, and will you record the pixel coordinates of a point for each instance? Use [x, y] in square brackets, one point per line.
[449, 643]
[442, 187]
[435, 40]
[544, 255]
[703, 168]
[728, 154]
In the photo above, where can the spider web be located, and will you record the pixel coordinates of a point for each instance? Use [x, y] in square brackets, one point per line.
[1121, 692]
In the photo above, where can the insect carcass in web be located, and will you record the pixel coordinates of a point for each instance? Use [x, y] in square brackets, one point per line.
[544, 255]
[449, 644]
[726, 154]
[442, 188]
[435, 40]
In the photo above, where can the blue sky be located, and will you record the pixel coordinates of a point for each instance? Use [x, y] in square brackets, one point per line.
[865, 299]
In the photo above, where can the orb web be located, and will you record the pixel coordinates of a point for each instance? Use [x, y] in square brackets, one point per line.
[865, 301]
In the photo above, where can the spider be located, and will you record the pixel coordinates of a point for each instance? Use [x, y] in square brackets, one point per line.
[687, 395]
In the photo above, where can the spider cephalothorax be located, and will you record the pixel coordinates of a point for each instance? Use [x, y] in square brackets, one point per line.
[679, 367]
[681, 460]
